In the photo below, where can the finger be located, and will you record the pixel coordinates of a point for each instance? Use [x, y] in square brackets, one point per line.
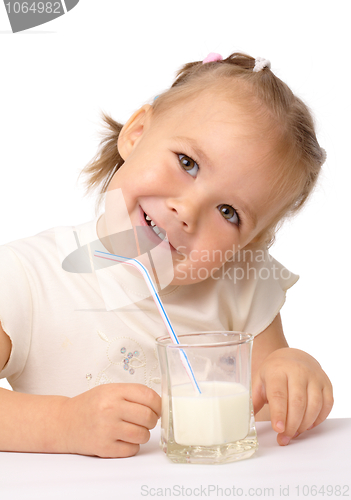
[313, 408]
[138, 414]
[277, 397]
[297, 403]
[124, 449]
[328, 402]
[138, 393]
[131, 433]
[118, 449]
[259, 398]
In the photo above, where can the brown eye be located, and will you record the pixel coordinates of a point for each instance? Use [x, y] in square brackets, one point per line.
[188, 164]
[229, 213]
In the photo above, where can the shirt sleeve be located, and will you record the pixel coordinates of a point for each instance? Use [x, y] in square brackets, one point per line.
[15, 311]
[260, 285]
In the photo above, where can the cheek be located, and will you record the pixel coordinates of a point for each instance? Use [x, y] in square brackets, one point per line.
[126, 178]
[221, 243]
[120, 178]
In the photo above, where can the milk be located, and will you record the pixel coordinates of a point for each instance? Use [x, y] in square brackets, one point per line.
[219, 415]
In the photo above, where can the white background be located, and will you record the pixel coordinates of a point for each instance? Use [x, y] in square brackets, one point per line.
[115, 56]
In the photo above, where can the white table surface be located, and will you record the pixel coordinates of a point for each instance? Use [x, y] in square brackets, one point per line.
[320, 457]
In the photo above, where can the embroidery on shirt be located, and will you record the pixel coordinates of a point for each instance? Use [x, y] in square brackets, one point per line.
[123, 354]
[156, 380]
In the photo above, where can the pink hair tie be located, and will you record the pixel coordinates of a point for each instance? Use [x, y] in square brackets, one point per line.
[212, 57]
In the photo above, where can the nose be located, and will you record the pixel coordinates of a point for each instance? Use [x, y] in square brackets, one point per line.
[186, 211]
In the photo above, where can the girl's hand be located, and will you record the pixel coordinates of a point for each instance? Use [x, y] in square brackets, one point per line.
[109, 420]
[299, 393]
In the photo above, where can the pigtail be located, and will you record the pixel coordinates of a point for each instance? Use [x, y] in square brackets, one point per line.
[100, 170]
[243, 61]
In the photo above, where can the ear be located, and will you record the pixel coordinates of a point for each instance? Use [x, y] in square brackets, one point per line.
[133, 130]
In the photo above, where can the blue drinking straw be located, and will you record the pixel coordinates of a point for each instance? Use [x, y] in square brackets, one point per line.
[142, 269]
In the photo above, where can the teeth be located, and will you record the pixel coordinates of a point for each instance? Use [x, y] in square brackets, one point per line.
[155, 229]
[159, 233]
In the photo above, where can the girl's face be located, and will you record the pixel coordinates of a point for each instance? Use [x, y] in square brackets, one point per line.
[198, 172]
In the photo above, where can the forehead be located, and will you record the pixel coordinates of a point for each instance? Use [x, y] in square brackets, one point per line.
[216, 111]
[219, 128]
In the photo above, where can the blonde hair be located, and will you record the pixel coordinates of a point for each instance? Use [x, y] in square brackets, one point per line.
[299, 155]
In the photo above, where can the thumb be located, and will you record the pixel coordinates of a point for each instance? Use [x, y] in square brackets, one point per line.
[259, 398]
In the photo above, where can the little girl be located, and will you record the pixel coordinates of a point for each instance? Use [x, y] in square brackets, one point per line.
[195, 184]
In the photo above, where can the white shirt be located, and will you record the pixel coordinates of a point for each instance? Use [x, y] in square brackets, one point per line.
[72, 331]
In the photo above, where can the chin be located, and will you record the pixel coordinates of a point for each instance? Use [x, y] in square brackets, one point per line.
[186, 278]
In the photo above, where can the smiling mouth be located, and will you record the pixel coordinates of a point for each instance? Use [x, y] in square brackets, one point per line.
[157, 230]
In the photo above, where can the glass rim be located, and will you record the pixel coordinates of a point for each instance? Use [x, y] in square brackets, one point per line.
[166, 341]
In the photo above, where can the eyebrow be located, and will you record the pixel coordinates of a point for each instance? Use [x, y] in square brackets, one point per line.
[204, 158]
[194, 145]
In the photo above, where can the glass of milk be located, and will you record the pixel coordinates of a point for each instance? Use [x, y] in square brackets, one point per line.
[215, 425]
